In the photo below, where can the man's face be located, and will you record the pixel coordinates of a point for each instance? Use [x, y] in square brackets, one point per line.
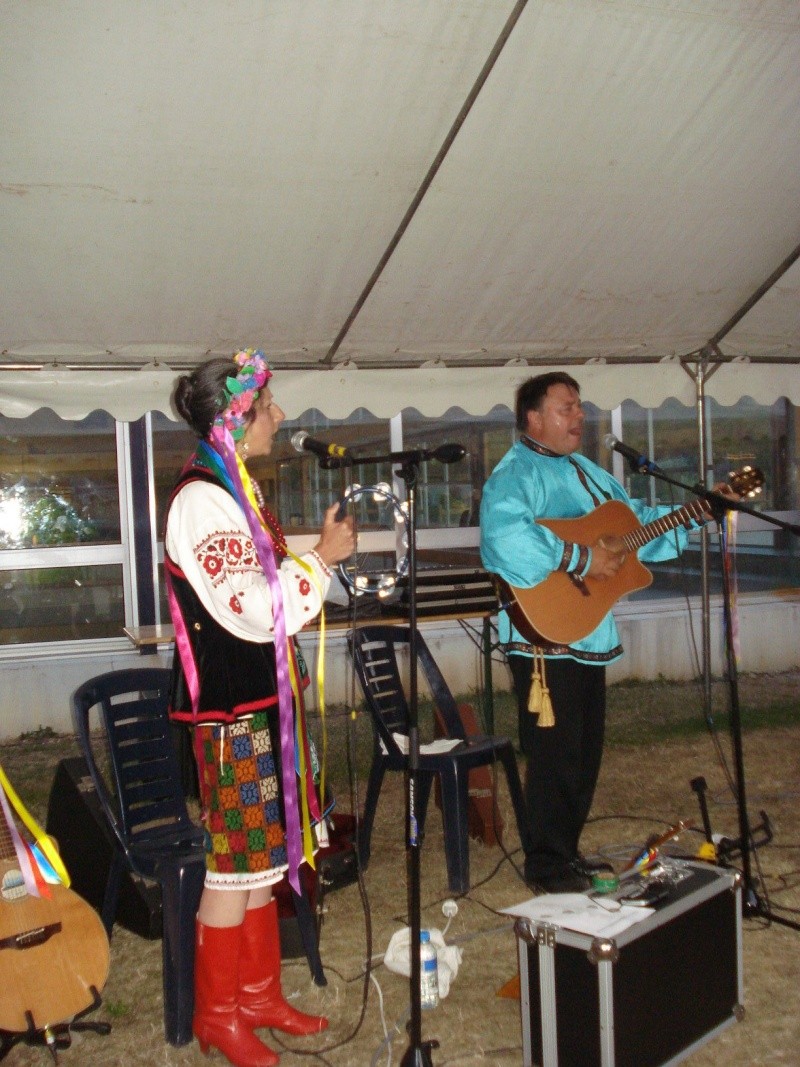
[559, 424]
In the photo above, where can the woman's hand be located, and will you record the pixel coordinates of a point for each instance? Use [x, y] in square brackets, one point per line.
[337, 538]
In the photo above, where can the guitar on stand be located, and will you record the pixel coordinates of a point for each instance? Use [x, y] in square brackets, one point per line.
[54, 952]
[564, 608]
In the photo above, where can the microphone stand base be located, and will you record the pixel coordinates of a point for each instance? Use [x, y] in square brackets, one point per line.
[419, 1055]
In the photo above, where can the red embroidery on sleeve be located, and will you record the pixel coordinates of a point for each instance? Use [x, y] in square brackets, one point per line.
[212, 564]
[234, 605]
[229, 551]
[305, 587]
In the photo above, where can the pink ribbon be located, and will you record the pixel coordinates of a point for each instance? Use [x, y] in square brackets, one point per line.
[188, 662]
[266, 557]
[20, 849]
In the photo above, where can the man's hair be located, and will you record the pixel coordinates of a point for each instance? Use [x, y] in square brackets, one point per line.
[532, 392]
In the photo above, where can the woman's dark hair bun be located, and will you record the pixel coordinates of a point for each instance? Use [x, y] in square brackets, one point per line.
[200, 396]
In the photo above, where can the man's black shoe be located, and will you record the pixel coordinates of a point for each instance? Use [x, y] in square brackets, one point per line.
[567, 880]
[590, 866]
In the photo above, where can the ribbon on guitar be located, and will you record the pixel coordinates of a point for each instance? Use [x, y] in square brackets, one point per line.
[35, 875]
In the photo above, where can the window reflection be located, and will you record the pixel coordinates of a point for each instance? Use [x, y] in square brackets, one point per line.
[173, 443]
[299, 486]
[61, 604]
[58, 481]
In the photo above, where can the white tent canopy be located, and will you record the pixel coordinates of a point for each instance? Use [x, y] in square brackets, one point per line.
[419, 200]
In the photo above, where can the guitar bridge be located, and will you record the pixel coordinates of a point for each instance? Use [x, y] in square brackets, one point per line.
[29, 938]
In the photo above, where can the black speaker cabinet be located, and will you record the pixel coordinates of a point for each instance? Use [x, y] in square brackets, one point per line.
[85, 842]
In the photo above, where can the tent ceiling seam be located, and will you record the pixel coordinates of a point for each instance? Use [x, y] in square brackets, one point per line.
[427, 181]
[750, 303]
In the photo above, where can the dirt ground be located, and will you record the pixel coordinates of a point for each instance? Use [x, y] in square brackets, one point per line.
[642, 790]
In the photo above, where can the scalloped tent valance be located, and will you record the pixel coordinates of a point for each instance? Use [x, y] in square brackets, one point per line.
[127, 395]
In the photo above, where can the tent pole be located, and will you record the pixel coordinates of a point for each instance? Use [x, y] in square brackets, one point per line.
[704, 462]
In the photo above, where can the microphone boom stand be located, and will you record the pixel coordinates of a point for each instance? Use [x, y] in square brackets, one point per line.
[752, 904]
[418, 1053]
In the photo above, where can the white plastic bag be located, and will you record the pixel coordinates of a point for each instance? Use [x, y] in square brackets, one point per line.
[398, 957]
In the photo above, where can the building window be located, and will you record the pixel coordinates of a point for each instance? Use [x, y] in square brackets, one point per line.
[61, 572]
[67, 529]
[744, 434]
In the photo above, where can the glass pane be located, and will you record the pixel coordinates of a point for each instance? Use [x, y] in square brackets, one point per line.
[58, 481]
[294, 484]
[173, 443]
[298, 487]
[61, 604]
[746, 433]
[449, 494]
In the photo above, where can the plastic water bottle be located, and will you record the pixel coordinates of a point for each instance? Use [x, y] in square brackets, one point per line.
[428, 971]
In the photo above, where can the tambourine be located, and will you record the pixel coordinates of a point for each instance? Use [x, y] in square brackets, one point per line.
[375, 506]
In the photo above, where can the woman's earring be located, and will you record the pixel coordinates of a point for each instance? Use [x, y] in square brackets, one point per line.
[244, 448]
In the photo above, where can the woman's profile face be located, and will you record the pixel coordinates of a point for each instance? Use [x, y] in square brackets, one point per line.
[266, 421]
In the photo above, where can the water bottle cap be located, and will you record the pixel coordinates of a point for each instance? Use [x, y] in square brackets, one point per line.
[424, 935]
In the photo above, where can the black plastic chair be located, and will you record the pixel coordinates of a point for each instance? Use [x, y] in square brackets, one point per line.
[146, 811]
[374, 651]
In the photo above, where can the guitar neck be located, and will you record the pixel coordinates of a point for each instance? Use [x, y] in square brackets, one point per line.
[7, 850]
[642, 535]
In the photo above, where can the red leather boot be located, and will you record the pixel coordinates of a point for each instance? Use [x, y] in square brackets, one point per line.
[261, 1001]
[218, 1023]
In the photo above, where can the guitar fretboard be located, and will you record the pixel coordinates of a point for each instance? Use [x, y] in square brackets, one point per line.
[7, 851]
[644, 534]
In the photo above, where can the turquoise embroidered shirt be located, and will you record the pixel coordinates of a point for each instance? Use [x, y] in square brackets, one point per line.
[526, 485]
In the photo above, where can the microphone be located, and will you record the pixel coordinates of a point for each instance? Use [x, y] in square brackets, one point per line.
[449, 453]
[637, 461]
[301, 442]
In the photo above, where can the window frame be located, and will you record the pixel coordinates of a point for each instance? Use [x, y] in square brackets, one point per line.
[140, 550]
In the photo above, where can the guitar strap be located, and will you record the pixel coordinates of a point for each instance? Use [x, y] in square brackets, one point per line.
[585, 478]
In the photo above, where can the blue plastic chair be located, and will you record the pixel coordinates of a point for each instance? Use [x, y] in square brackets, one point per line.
[374, 651]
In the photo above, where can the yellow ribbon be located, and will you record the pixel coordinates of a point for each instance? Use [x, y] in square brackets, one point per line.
[44, 842]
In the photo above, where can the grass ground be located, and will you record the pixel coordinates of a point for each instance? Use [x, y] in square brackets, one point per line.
[658, 742]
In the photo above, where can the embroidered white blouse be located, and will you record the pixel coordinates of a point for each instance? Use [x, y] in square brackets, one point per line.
[208, 538]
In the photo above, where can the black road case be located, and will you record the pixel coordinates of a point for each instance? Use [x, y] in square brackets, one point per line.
[648, 997]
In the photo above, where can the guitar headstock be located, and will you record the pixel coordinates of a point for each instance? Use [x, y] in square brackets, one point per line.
[747, 481]
[673, 831]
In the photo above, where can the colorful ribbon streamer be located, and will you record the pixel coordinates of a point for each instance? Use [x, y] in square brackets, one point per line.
[35, 877]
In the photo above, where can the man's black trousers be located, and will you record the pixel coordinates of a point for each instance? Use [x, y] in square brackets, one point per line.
[563, 760]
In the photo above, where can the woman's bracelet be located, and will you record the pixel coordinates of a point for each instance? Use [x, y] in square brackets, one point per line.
[323, 565]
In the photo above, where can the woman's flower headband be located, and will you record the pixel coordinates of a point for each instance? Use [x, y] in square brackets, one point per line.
[241, 391]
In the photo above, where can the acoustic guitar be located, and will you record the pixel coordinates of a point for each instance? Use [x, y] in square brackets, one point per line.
[53, 950]
[563, 608]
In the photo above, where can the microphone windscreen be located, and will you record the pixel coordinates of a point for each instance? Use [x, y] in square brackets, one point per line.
[450, 453]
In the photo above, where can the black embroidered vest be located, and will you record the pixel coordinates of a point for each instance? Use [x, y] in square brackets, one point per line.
[236, 677]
